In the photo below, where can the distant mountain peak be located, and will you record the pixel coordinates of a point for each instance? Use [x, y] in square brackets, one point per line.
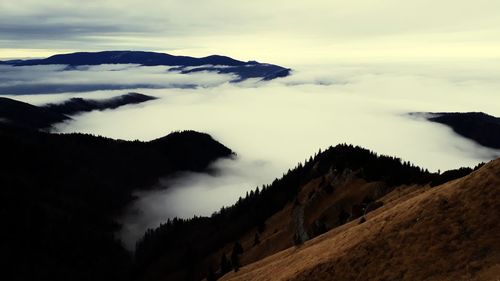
[245, 70]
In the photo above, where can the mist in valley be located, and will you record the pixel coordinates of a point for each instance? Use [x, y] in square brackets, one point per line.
[110, 172]
[274, 125]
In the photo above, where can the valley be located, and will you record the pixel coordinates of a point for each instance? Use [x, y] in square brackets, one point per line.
[95, 189]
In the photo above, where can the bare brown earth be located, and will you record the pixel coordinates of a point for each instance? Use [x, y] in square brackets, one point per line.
[448, 232]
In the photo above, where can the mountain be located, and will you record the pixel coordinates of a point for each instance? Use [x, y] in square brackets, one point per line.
[214, 63]
[449, 232]
[78, 105]
[28, 116]
[60, 195]
[336, 187]
[127, 57]
[477, 126]
[21, 114]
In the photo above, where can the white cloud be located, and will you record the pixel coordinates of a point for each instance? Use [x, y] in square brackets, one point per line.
[18, 80]
[283, 122]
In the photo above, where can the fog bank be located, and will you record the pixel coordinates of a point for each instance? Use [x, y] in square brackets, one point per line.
[274, 125]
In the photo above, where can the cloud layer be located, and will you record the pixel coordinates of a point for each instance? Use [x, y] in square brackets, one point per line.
[275, 125]
[53, 79]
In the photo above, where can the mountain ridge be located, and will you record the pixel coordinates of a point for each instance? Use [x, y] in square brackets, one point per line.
[21, 114]
[332, 188]
[61, 195]
[79, 105]
[448, 232]
[126, 57]
[245, 70]
[479, 127]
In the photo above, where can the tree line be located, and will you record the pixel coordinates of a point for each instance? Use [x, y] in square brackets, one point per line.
[205, 235]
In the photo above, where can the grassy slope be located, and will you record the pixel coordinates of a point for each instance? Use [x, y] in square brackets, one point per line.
[327, 191]
[59, 194]
[449, 232]
[280, 228]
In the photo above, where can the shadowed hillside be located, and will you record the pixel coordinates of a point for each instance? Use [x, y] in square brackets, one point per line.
[21, 114]
[60, 193]
[25, 115]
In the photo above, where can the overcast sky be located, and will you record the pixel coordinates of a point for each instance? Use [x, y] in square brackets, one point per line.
[269, 30]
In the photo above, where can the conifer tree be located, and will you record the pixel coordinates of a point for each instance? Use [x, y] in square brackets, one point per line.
[256, 239]
[235, 256]
[225, 266]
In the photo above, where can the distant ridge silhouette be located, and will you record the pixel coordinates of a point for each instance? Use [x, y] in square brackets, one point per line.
[244, 70]
[25, 115]
[477, 126]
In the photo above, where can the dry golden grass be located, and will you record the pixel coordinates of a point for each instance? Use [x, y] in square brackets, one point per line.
[450, 232]
[279, 231]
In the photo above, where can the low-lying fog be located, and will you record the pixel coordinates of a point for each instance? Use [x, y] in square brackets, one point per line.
[274, 125]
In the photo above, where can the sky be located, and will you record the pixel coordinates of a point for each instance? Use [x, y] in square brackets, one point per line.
[277, 31]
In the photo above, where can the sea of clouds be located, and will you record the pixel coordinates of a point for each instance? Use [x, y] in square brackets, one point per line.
[271, 125]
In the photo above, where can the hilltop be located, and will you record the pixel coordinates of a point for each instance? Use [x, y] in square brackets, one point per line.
[449, 232]
[61, 193]
[336, 187]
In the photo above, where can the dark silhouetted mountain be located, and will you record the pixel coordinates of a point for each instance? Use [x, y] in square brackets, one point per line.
[60, 194]
[265, 71]
[17, 113]
[477, 126]
[127, 57]
[77, 105]
[216, 63]
[28, 116]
